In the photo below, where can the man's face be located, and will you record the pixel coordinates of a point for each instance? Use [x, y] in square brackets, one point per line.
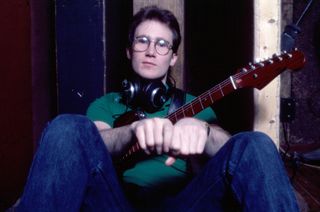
[149, 64]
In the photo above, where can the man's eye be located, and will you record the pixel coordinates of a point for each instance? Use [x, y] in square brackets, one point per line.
[143, 40]
[162, 43]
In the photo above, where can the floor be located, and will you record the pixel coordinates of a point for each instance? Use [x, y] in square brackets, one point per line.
[306, 182]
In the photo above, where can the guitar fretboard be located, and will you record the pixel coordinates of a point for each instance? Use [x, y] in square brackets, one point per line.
[203, 101]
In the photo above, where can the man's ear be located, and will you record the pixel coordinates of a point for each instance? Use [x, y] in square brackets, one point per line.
[174, 59]
[128, 51]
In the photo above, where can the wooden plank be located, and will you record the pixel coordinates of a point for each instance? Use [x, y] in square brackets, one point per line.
[267, 25]
[177, 7]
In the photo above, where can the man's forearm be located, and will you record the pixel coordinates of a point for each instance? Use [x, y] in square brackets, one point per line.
[216, 139]
[117, 140]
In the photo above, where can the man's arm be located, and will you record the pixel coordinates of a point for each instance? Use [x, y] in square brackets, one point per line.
[187, 137]
[117, 140]
[217, 137]
[214, 140]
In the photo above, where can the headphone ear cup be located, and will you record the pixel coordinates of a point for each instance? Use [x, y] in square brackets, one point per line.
[155, 95]
[130, 91]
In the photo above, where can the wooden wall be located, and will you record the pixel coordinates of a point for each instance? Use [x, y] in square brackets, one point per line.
[267, 33]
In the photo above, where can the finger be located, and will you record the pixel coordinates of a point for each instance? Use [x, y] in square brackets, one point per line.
[185, 143]
[167, 136]
[202, 142]
[149, 135]
[195, 138]
[175, 141]
[158, 135]
[140, 134]
[170, 161]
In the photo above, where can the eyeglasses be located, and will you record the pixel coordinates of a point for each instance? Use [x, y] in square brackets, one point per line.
[142, 43]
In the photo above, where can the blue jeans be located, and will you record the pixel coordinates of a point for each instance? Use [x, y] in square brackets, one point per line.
[72, 171]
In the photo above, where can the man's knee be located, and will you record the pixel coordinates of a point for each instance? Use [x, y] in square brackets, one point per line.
[64, 121]
[254, 137]
[257, 141]
[66, 129]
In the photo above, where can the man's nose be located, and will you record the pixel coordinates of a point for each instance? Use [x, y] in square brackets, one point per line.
[151, 50]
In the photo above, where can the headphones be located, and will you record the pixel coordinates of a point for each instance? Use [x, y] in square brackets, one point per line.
[149, 95]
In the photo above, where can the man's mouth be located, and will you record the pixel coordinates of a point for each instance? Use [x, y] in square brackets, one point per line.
[148, 63]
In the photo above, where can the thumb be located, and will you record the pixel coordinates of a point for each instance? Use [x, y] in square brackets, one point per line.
[170, 161]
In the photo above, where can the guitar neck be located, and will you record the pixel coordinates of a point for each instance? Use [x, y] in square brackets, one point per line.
[204, 100]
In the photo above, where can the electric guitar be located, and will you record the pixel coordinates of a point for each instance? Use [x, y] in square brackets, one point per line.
[255, 75]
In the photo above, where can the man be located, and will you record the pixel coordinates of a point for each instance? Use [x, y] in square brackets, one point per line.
[187, 166]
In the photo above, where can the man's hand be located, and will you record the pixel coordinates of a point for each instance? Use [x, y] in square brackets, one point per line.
[187, 137]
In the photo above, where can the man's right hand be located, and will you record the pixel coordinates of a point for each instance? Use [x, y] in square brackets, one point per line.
[154, 134]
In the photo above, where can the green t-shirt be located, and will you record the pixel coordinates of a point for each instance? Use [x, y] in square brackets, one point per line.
[151, 173]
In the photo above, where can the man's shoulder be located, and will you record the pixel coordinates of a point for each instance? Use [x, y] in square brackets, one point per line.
[111, 97]
[105, 107]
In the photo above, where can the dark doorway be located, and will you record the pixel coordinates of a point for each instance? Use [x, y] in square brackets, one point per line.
[219, 40]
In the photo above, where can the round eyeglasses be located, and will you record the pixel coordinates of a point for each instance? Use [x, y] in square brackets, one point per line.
[142, 43]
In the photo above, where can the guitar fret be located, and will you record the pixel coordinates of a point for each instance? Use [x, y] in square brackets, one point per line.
[221, 90]
[210, 97]
[176, 117]
[192, 109]
[201, 104]
[184, 115]
[207, 99]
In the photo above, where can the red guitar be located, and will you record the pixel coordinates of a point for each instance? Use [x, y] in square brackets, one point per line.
[256, 75]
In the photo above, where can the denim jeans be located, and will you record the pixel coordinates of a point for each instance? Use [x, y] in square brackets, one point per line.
[73, 171]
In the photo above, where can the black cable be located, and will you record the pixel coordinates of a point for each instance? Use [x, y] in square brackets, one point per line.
[304, 12]
[292, 158]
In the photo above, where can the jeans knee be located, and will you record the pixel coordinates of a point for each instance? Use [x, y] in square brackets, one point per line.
[69, 120]
[65, 130]
[256, 140]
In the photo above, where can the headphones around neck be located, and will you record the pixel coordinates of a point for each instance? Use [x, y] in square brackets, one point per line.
[146, 94]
